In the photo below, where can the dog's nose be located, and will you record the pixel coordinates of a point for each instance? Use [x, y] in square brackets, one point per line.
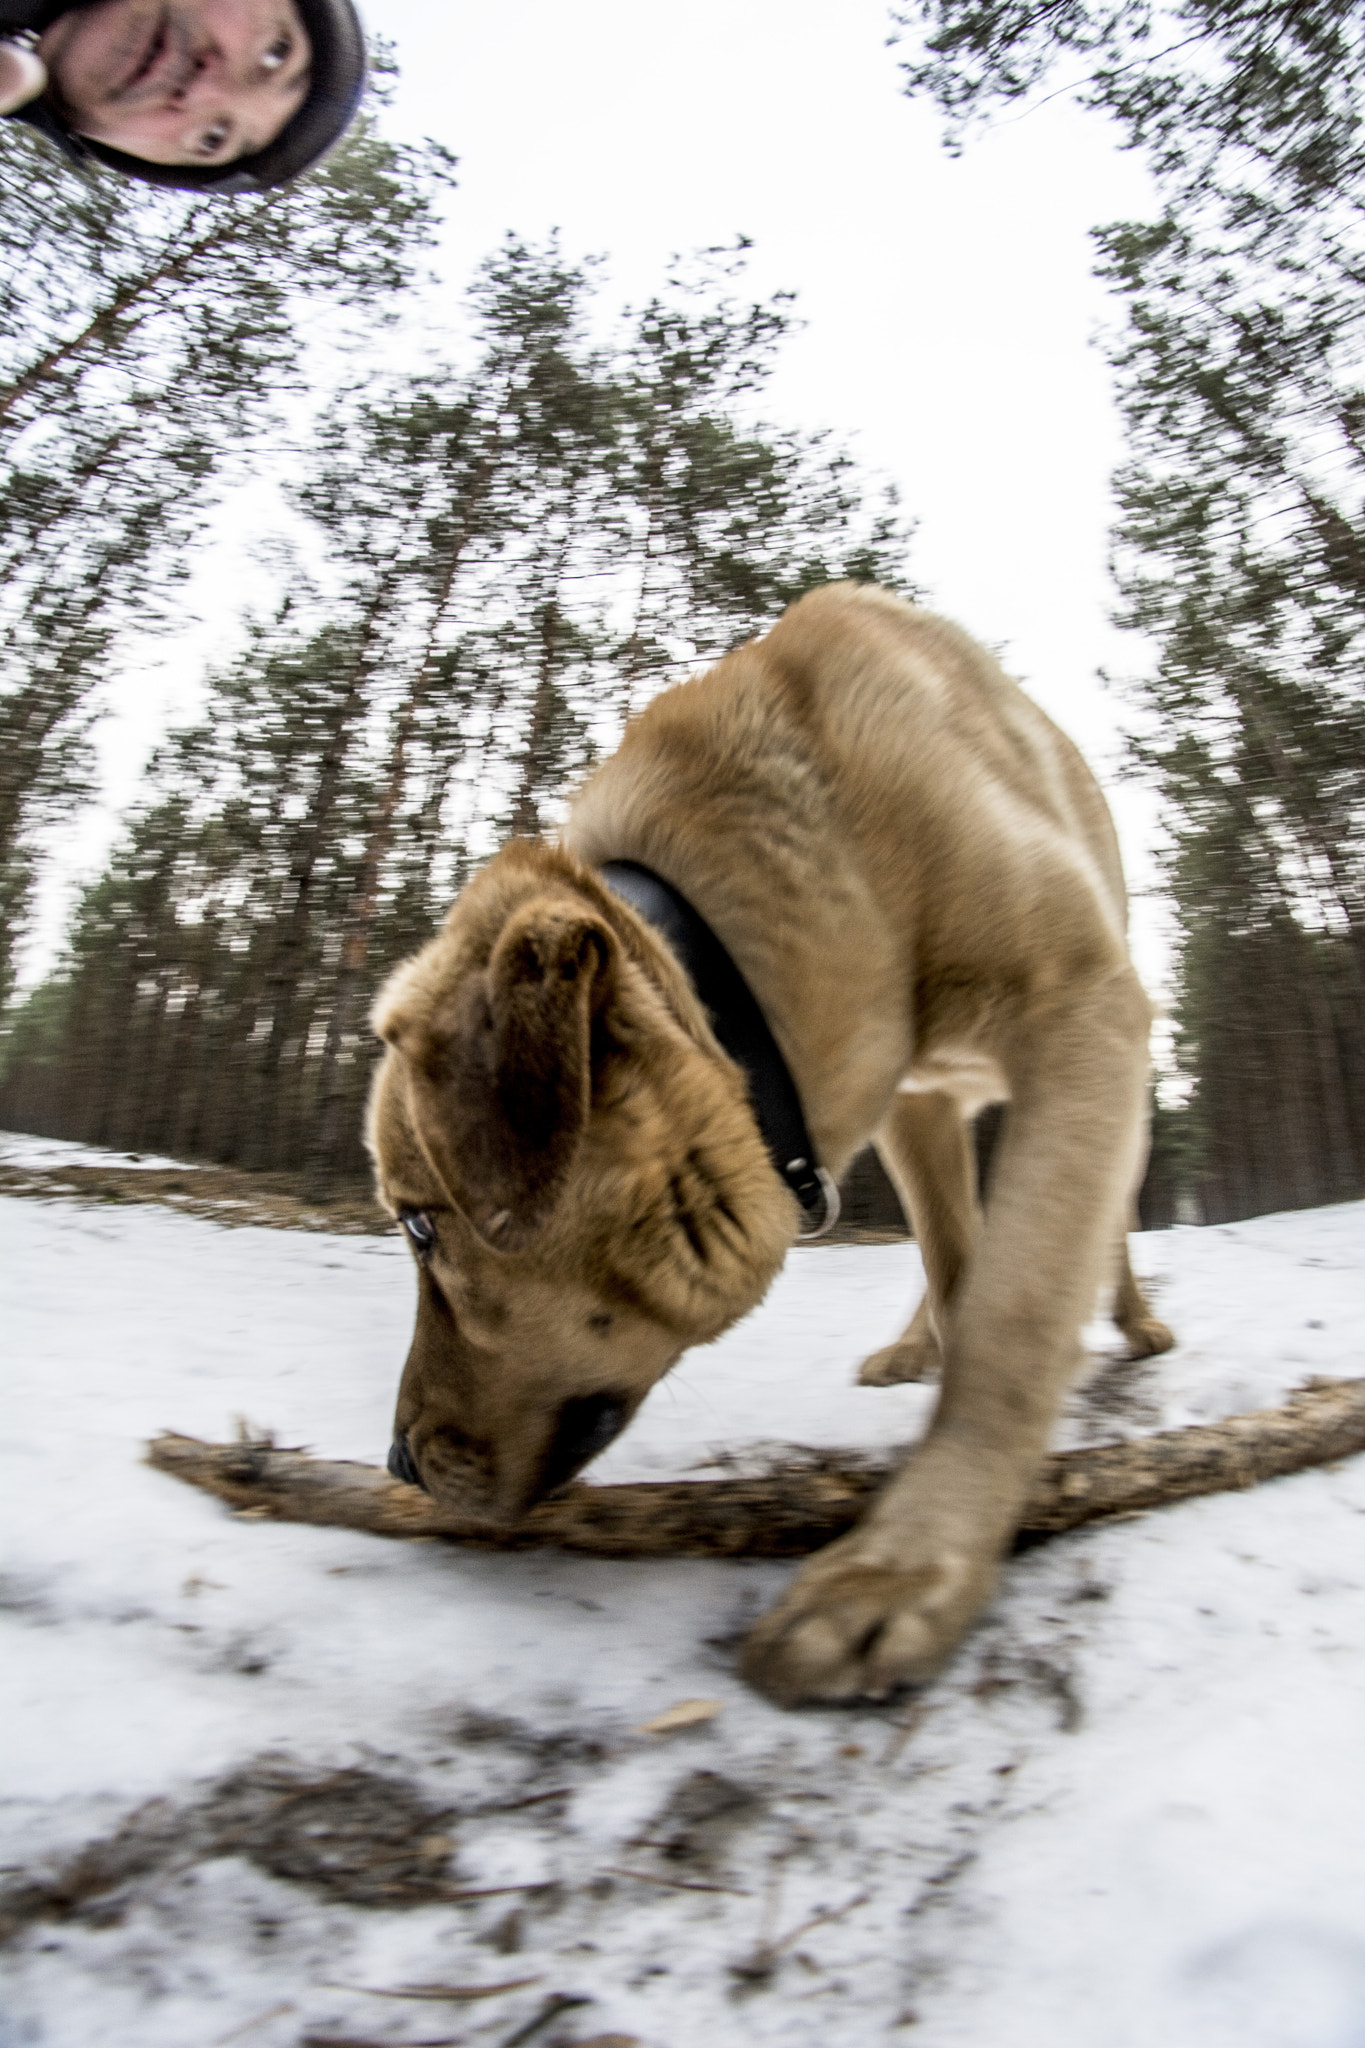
[402, 1464]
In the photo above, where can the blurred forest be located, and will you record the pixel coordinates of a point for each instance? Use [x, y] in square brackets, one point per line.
[487, 564]
[512, 550]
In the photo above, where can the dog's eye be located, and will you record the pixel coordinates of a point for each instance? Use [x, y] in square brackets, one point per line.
[418, 1225]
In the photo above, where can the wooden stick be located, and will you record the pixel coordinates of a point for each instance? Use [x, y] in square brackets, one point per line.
[788, 1512]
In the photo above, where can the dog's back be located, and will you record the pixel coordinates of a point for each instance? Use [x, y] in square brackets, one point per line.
[891, 717]
[863, 802]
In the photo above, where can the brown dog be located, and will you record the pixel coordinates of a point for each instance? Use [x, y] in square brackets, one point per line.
[919, 881]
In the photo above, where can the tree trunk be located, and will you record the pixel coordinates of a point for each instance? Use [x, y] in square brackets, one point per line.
[525, 820]
[321, 1156]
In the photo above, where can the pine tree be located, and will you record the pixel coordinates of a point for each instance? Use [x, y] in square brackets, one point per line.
[1240, 548]
[730, 522]
[143, 336]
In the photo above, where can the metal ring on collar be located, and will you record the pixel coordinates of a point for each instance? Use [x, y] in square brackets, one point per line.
[829, 1188]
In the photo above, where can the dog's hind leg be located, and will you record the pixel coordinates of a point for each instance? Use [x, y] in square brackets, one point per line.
[925, 1146]
[1147, 1335]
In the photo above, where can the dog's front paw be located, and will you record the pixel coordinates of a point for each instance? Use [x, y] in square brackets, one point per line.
[854, 1626]
[909, 1358]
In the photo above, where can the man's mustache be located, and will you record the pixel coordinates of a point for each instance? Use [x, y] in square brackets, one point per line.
[162, 64]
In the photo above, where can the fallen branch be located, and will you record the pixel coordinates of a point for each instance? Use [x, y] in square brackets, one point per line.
[788, 1512]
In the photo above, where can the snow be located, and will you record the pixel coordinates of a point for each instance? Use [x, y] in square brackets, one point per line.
[19, 1148]
[1130, 1813]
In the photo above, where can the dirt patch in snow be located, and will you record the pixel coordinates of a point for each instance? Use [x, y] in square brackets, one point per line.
[352, 1836]
[700, 1818]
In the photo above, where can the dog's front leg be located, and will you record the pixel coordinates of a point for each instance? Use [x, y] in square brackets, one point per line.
[885, 1605]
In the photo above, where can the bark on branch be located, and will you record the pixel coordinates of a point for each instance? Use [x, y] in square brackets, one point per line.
[788, 1512]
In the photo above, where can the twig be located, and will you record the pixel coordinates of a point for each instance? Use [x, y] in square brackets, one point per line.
[449, 1993]
[775, 1948]
[496, 1891]
[763, 1961]
[564, 2001]
[674, 1884]
[794, 1510]
[533, 1799]
[359, 2041]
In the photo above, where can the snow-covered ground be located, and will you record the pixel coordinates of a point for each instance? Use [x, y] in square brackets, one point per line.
[17, 1148]
[1132, 1815]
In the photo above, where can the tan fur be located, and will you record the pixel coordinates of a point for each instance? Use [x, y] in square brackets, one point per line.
[919, 879]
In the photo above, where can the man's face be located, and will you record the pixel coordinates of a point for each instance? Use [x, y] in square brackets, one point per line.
[179, 81]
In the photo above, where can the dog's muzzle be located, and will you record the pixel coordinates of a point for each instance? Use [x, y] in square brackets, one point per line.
[585, 1427]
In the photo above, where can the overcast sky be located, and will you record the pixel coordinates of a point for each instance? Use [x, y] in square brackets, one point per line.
[949, 305]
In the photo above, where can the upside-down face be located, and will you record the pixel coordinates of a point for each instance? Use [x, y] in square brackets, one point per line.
[580, 1175]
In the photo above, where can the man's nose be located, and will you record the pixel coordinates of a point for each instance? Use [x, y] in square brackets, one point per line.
[195, 80]
[402, 1464]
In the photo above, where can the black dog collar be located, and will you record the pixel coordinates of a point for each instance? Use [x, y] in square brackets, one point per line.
[743, 1031]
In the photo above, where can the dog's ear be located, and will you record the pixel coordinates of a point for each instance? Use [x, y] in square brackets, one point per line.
[499, 1066]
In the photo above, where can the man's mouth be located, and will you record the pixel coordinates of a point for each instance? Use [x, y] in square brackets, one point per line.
[162, 64]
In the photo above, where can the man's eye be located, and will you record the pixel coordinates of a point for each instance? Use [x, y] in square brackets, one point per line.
[278, 53]
[418, 1225]
[212, 139]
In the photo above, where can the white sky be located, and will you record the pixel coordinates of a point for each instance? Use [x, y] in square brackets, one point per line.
[950, 308]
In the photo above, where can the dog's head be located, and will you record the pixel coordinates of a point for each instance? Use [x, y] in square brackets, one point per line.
[579, 1173]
